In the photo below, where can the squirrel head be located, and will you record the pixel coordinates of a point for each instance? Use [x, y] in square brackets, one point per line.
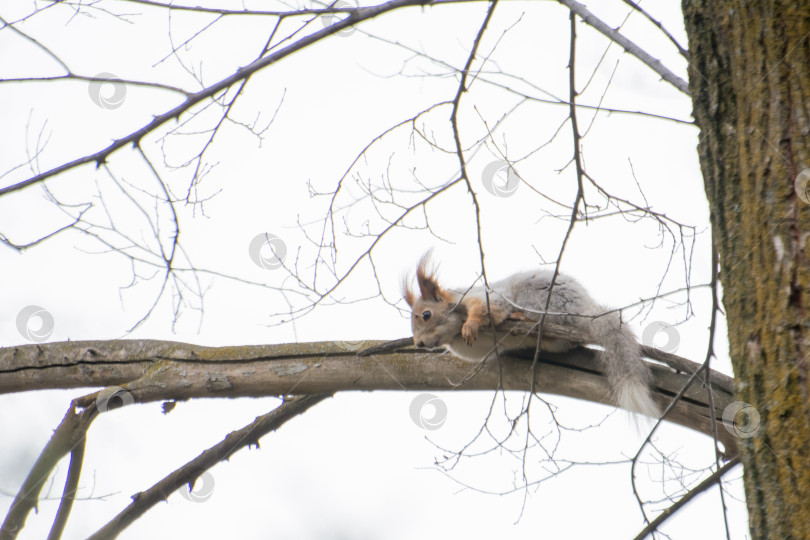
[436, 318]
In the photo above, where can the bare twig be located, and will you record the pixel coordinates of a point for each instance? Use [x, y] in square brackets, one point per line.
[462, 87]
[715, 262]
[579, 197]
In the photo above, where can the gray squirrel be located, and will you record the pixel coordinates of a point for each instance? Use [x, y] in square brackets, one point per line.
[453, 319]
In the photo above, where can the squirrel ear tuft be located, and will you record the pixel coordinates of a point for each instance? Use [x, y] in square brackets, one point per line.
[425, 276]
[407, 293]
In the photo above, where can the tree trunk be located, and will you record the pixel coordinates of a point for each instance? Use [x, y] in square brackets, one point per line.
[749, 77]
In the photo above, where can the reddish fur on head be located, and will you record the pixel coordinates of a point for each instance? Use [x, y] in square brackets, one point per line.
[436, 318]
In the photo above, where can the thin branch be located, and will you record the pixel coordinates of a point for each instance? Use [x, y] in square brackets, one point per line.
[462, 88]
[87, 78]
[69, 435]
[188, 473]
[552, 100]
[71, 487]
[23, 247]
[39, 45]
[627, 45]
[572, 113]
[694, 492]
[706, 371]
[355, 16]
[715, 262]
[683, 52]
[672, 406]
[579, 197]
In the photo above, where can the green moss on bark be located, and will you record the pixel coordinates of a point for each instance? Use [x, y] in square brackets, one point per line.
[750, 82]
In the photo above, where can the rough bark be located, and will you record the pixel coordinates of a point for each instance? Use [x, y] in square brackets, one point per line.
[750, 83]
[141, 371]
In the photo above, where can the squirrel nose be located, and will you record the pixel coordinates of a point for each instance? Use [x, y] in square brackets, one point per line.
[420, 343]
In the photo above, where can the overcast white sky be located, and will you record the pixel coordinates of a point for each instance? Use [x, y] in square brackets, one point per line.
[356, 466]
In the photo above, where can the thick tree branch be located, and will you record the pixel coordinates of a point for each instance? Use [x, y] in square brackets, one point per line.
[157, 370]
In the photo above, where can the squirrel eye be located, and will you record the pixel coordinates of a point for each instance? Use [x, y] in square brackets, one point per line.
[426, 315]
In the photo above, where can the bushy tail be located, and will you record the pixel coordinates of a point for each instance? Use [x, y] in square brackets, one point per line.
[627, 374]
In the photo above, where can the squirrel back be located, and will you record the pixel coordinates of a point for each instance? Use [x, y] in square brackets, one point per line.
[454, 318]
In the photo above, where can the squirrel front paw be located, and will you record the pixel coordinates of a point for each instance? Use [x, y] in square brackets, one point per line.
[469, 332]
